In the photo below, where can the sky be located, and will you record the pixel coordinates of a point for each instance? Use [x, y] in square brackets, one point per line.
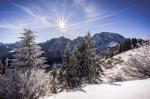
[73, 18]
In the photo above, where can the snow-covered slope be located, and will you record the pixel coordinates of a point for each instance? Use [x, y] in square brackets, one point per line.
[138, 89]
[119, 70]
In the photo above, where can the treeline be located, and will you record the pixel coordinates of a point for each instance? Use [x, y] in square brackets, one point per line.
[130, 43]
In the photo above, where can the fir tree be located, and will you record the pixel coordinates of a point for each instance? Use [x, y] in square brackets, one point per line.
[54, 87]
[67, 67]
[29, 54]
[57, 79]
[74, 78]
[95, 70]
[87, 69]
[3, 66]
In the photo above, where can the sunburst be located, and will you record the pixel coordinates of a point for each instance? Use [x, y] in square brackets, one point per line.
[62, 25]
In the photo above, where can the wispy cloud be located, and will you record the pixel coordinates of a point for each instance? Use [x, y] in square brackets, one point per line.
[9, 26]
[89, 9]
[42, 20]
[13, 25]
[102, 17]
[103, 25]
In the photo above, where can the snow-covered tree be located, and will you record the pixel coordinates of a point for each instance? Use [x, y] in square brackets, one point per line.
[87, 69]
[29, 54]
[54, 81]
[92, 59]
[68, 68]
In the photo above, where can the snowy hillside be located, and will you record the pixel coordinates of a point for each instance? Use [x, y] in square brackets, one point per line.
[124, 58]
[138, 89]
[133, 89]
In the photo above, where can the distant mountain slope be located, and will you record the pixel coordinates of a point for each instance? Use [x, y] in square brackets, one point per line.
[54, 48]
[4, 48]
[104, 39]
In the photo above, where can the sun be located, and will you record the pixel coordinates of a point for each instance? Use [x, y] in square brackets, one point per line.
[62, 25]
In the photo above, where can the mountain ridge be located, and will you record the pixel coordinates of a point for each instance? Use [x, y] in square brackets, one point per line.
[54, 47]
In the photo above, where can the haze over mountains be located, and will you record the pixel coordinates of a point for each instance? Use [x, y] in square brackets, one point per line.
[53, 48]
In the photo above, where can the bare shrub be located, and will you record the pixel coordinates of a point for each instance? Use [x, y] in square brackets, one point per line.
[116, 77]
[31, 84]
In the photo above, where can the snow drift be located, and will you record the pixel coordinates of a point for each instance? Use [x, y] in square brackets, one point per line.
[138, 89]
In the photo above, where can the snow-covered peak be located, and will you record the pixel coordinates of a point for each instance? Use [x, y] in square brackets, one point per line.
[105, 40]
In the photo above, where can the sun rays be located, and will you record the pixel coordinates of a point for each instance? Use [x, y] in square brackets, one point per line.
[61, 25]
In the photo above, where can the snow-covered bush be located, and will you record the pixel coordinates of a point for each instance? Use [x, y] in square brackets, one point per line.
[56, 79]
[10, 85]
[111, 62]
[139, 64]
[116, 77]
[31, 84]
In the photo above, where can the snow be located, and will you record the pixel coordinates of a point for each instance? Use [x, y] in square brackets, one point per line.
[112, 44]
[118, 68]
[12, 51]
[137, 89]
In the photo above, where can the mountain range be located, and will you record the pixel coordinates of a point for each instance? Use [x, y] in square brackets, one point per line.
[53, 48]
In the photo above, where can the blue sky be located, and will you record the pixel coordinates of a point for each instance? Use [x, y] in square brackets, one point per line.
[73, 18]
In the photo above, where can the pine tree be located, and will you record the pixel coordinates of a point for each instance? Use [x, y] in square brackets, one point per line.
[95, 70]
[3, 66]
[29, 54]
[76, 62]
[87, 69]
[54, 87]
[74, 78]
[126, 45]
[69, 61]
[67, 67]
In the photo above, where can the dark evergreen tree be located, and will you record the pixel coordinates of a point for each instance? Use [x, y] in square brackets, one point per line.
[67, 68]
[54, 82]
[87, 69]
[134, 42]
[3, 66]
[58, 82]
[74, 78]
